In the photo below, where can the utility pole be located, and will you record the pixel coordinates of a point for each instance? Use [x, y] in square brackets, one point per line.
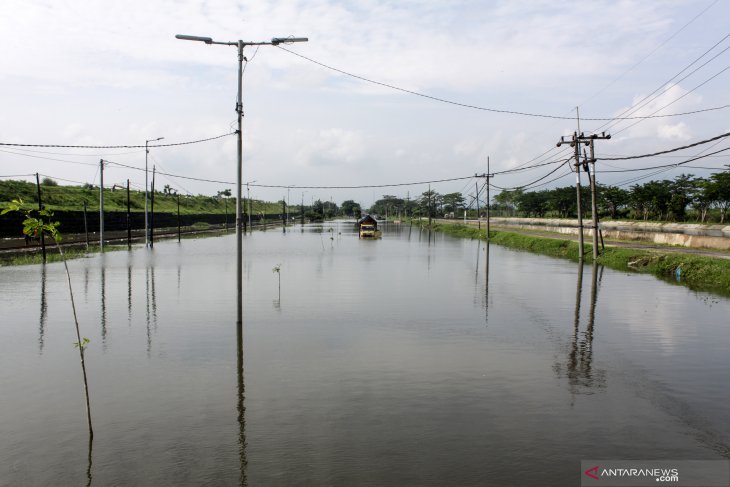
[129, 223]
[152, 209]
[146, 197]
[592, 179]
[476, 191]
[301, 216]
[40, 207]
[575, 143]
[86, 228]
[429, 206]
[101, 205]
[178, 217]
[487, 176]
[239, 110]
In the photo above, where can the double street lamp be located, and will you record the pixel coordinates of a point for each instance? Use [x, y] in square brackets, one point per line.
[239, 109]
[146, 197]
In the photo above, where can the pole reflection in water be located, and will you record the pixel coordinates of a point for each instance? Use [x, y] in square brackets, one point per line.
[129, 295]
[44, 309]
[486, 286]
[241, 407]
[103, 303]
[581, 375]
[147, 308]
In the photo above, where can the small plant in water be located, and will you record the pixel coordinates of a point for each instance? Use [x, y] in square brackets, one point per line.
[43, 225]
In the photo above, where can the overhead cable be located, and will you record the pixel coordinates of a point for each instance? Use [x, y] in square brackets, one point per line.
[119, 146]
[493, 110]
[666, 151]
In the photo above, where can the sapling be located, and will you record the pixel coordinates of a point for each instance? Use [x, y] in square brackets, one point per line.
[34, 227]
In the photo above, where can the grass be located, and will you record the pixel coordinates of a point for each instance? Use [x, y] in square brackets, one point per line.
[698, 273]
[72, 198]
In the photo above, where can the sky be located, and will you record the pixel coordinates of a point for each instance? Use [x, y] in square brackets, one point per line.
[86, 72]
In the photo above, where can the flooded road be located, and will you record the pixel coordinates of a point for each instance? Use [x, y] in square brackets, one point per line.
[398, 361]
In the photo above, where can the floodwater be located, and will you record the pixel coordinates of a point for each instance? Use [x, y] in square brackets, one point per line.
[398, 361]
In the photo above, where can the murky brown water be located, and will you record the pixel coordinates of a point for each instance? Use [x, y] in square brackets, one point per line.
[389, 362]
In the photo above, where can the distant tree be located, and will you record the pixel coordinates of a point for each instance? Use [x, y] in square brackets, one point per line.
[720, 182]
[562, 200]
[48, 182]
[612, 199]
[349, 207]
[452, 202]
[682, 191]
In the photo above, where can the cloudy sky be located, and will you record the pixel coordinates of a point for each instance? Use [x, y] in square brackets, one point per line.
[85, 72]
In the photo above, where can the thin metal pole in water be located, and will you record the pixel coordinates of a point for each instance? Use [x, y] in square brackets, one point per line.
[101, 204]
[40, 207]
[488, 205]
[178, 218]
[152, 209]
[86, 227]
[129, 221]
[239, 216]
[479, 222]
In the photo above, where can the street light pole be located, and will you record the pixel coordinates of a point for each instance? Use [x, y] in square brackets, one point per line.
[275, 41]
[146, 197]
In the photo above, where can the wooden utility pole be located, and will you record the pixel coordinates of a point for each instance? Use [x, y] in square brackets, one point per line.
[40, 207]
[592, 178]
[429, 206]
[575, 143]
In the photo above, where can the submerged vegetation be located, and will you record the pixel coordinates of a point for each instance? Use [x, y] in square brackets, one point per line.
[699, 273]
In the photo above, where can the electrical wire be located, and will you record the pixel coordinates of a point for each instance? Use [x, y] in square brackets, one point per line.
[650, 54]
[118, 146]
[493, 110]
[50, 158]
[649, 98]
[677, 99]
[677, 164]
[666, 151]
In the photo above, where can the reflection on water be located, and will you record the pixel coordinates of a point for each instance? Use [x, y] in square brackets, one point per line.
[379, 370]
[103, 302]
[44, 309]
[582, 377]
[241, 407]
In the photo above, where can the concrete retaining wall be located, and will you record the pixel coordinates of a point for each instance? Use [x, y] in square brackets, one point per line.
[683, 234]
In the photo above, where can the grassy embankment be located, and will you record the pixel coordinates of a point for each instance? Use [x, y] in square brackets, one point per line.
[73, 198]
[697, 272]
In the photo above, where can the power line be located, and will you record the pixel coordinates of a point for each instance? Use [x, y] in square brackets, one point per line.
[49, 158]
[650, 54]
[649, 98]
[493, 110]
[677, 164]
[676, 100]
[118, 146]
[17, 175]
[666, 151]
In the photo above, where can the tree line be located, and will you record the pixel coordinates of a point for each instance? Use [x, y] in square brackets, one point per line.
[684, 198]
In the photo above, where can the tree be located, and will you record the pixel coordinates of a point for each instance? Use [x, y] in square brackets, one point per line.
[612, 199]
[452, 202]
[350, 208]
[682, 191]
[48, 182]
[562, 200]
[721, 185]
